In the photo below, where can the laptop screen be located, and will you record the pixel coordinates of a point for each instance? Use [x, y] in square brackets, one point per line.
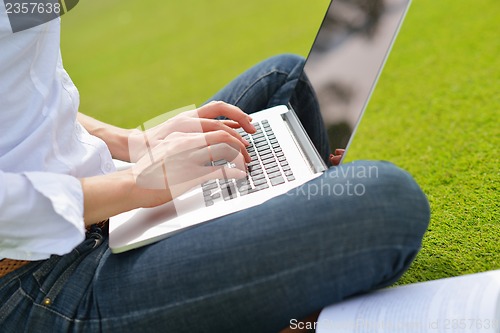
[347, 57]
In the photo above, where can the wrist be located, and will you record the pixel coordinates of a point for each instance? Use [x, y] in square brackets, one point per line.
[116, 138]
[141, 195]
[117, 141]
[107, 195]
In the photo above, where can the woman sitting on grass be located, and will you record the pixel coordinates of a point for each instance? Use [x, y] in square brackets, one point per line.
[252, 271]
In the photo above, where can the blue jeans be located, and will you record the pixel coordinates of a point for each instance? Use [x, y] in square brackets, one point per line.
[339, 235]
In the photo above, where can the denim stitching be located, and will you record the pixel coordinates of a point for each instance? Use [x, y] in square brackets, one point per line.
[150, 311]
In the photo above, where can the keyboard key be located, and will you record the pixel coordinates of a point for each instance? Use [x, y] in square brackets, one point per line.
[261, 144]
[266, 155]
[277, 181]
[253, 163]
[290, 178]
[264, 150]
[252, 190]
[274, 169]
[274, 174]
[254, 167]
[228, 192]
[255, 170]
[242, 181]
[210, 186]
[286, 168]
[209, 203]
[258, 188]
[258, 176]
[288, 173]
[268, 159]
[244, 189]
[259, 139]
[260, 182]
[220, 162]
[224, 182]
[270, 166]
[262, 187]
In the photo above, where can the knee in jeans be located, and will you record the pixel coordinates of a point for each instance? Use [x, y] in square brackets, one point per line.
[400, 216]
[400, 195]
[287, 62]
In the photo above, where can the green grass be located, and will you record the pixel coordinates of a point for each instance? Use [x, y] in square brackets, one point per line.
[434, 113]
[133, 60]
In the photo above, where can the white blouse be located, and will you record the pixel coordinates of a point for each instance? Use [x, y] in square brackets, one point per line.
[43, 149]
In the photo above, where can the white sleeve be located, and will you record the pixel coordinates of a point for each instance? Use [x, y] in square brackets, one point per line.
[41, 214]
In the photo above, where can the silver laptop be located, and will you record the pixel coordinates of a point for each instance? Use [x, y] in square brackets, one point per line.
[343, 67]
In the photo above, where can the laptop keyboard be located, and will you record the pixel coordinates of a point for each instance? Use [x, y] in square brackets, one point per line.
[269, 167]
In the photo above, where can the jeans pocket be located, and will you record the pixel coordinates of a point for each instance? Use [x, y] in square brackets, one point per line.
[10, 304]
[53, 275]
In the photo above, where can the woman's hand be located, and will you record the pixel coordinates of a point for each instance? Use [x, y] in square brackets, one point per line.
[201, 120]
[177, 155]
[183, 160]
[171, 158]
[337, 157]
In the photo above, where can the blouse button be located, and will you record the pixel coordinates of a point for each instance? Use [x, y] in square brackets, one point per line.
[108, 167]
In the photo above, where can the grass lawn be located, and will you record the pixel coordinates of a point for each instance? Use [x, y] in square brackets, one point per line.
[435, 111]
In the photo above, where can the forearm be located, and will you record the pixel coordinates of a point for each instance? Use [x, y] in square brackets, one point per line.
[107, 195]
[116, 138]
[111, 194]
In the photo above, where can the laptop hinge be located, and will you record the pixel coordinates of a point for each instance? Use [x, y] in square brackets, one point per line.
[303, 142]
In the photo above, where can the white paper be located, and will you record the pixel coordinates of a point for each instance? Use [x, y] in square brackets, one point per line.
[465, 304]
